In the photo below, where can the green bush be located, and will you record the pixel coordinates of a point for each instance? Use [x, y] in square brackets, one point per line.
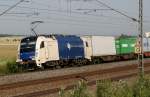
[122, 89]
[12, 67]
[62, 93]
[80, 90]
[142, 88]
[106, 88]
[8, 66]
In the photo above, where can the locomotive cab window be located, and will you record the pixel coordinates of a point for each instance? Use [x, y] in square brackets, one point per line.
[86, 44]
[42, 44]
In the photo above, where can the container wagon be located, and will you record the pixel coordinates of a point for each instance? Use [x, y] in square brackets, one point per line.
[61, 50]
[100, 48]
[146, 46]
[125, 47]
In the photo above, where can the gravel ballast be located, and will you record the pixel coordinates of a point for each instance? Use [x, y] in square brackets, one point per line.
[8, 79]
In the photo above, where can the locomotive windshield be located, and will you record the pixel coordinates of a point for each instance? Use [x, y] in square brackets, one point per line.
[28, 44]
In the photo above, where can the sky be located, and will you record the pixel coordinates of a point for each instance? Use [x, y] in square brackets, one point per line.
[77, 17]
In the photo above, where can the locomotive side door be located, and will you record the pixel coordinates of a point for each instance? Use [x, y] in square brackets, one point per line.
[87, 47]
[52, 50]
[42, 52]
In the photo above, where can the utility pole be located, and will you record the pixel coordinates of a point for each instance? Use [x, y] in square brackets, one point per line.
[140, 32]
[140, 29]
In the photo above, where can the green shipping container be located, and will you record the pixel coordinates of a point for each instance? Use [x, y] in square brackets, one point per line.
[125, 45]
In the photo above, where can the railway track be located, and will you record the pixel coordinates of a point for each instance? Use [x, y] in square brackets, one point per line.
[65, 77]
[26, 76]
[114, 73]
[90, 83]
[56, 90]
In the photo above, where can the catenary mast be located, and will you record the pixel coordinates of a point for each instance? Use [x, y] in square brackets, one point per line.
[140, 29]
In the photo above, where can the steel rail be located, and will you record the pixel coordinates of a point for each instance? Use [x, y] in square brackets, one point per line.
[66, 77]
[69, 87]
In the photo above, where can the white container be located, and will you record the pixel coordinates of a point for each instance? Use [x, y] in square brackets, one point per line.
[146, 44]
[147, 34]
[103, 45]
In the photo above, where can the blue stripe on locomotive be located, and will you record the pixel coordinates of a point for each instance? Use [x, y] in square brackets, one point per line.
[27, 55]
[70, 47]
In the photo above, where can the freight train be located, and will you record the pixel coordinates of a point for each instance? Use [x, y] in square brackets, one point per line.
[61, 50]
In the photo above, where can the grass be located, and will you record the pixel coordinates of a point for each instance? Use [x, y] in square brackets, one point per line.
[8, 52]
[107, 88]
[80, 90]
[3, 66]
[8, 66]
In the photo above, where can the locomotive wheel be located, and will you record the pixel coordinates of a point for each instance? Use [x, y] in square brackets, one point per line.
[86, 62]
[57, 66]
[96, 61]
[61, 63]
[52, 65]
[43, 67]
[71, 63]
[79, 62]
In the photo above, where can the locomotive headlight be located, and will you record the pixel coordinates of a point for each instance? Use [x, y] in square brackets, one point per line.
[36, 53]
[32, 57]
[19, 60]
